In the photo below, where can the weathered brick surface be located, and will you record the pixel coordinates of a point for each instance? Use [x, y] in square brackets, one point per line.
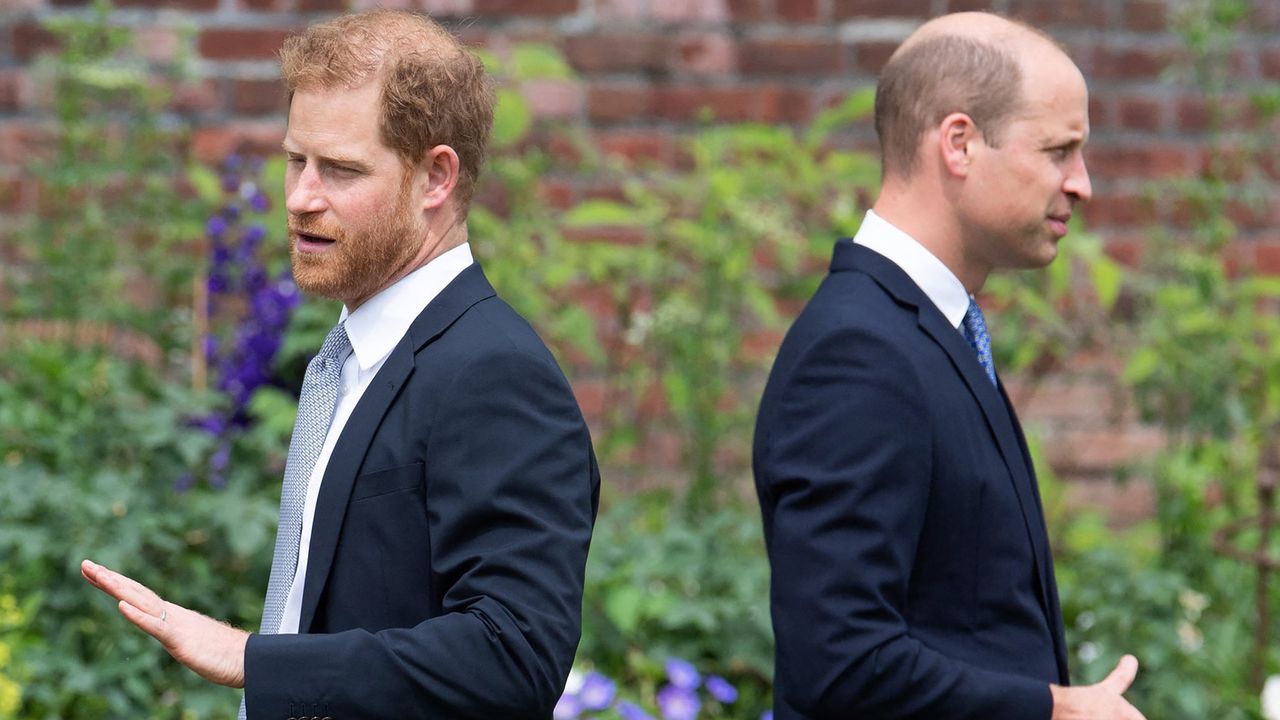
[650, 71]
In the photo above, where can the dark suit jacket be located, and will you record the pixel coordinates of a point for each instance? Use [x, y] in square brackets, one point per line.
[450, 534]
[911, 569]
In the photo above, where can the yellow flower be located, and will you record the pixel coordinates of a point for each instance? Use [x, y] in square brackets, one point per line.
[10, 697]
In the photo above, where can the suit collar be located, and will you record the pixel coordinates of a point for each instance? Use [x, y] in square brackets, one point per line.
[468, 288]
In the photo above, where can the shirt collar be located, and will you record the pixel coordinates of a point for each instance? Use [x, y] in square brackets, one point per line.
[377, 326]
[924, 268]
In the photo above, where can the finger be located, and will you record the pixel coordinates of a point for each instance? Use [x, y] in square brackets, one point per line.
[148, 623]
[1122, 676]
[122, 587]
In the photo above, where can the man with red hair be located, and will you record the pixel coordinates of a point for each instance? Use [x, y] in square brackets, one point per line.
[440, 488]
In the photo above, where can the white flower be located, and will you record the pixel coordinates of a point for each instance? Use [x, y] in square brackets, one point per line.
[1088, 652]
[574, 683]
[1271, 698]
[1190, 637]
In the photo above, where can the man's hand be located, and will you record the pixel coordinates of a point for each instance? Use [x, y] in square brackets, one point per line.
[1103, 701]
[214, 650]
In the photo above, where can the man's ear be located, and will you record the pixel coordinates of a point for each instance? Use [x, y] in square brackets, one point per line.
[438, 172]
[957, 137]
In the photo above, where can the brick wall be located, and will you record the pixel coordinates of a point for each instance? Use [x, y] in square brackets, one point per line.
[646, 67]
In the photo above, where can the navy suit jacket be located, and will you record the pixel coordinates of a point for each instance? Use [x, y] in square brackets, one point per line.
[911, 569]
[450, 536]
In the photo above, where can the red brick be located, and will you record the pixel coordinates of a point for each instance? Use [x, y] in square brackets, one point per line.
[196, 96]
[1100, 115]
[1145, 15]
[1192, 114]
[1140, 113]
[1125, 503]
[849, 9]
[725, 104]
[258, 97]
[1124, 210]
[29, 40]
[792, 57]
[637, 145]
[17, 194]
[1125, 248]
[708, 54]
[22, 141]
[1102, 449]
[1075, 13]
[264, 5]
[170, 4]
[12, 89]
[322, 5]
[618, 53]
[871, 56]
[968, 5]
[560, 99]
[537, 8]
[1269, 63]
[1267, 257]
[1132, 63]
[785, 104]
[616, 102]
[214, 143]
[1063, 399]
[556, 192]
[747, 10]
[241, 44]
[590, 394]
[797, 10]
[1144, 161]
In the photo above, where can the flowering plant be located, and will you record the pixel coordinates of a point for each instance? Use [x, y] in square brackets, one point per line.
[684, 695]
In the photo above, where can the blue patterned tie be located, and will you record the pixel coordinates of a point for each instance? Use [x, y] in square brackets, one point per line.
[975, 331]
[315, 414]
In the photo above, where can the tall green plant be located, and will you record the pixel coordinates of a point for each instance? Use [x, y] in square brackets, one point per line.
[715, 246]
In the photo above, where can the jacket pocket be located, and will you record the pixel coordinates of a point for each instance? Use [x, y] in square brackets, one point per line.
[389, 480]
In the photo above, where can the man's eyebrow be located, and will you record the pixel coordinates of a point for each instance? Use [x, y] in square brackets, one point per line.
[333, 159]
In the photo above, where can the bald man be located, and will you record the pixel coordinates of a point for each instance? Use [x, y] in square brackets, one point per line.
[912, 576]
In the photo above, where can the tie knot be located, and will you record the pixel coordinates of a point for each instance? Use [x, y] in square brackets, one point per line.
[336, 344]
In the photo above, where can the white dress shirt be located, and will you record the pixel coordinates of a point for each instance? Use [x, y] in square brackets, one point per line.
[375, 328]
[923, 267]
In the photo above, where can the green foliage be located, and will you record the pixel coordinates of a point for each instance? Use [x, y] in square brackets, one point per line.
[694, 588]
[96, 426]
[715, 245]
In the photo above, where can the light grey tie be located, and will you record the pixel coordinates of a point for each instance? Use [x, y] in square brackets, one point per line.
[315, 413]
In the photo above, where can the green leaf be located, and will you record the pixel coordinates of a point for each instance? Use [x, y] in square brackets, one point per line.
[623, 607]
[600, 213]
[1107, 280]
[512, 118]
[536, 61]
[205, 182]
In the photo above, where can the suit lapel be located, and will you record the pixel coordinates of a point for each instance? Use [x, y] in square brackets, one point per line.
[999, 417]
[468, 288]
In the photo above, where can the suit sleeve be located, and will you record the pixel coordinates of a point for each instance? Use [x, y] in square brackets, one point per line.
[847, 466]
[511, 495]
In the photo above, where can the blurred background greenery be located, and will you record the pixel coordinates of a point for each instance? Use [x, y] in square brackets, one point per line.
[146, 407]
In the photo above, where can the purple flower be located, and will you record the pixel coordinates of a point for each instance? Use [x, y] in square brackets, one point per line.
[230, 181]
[260, 203]
[683, 674]
[677, 703]
[567, 708]
[251, 239]
[216, 227]
[184, 483]
[232, 162]
[766, 715]
[632, 711]
[721, 690]
[231, 212]
[597, 691]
